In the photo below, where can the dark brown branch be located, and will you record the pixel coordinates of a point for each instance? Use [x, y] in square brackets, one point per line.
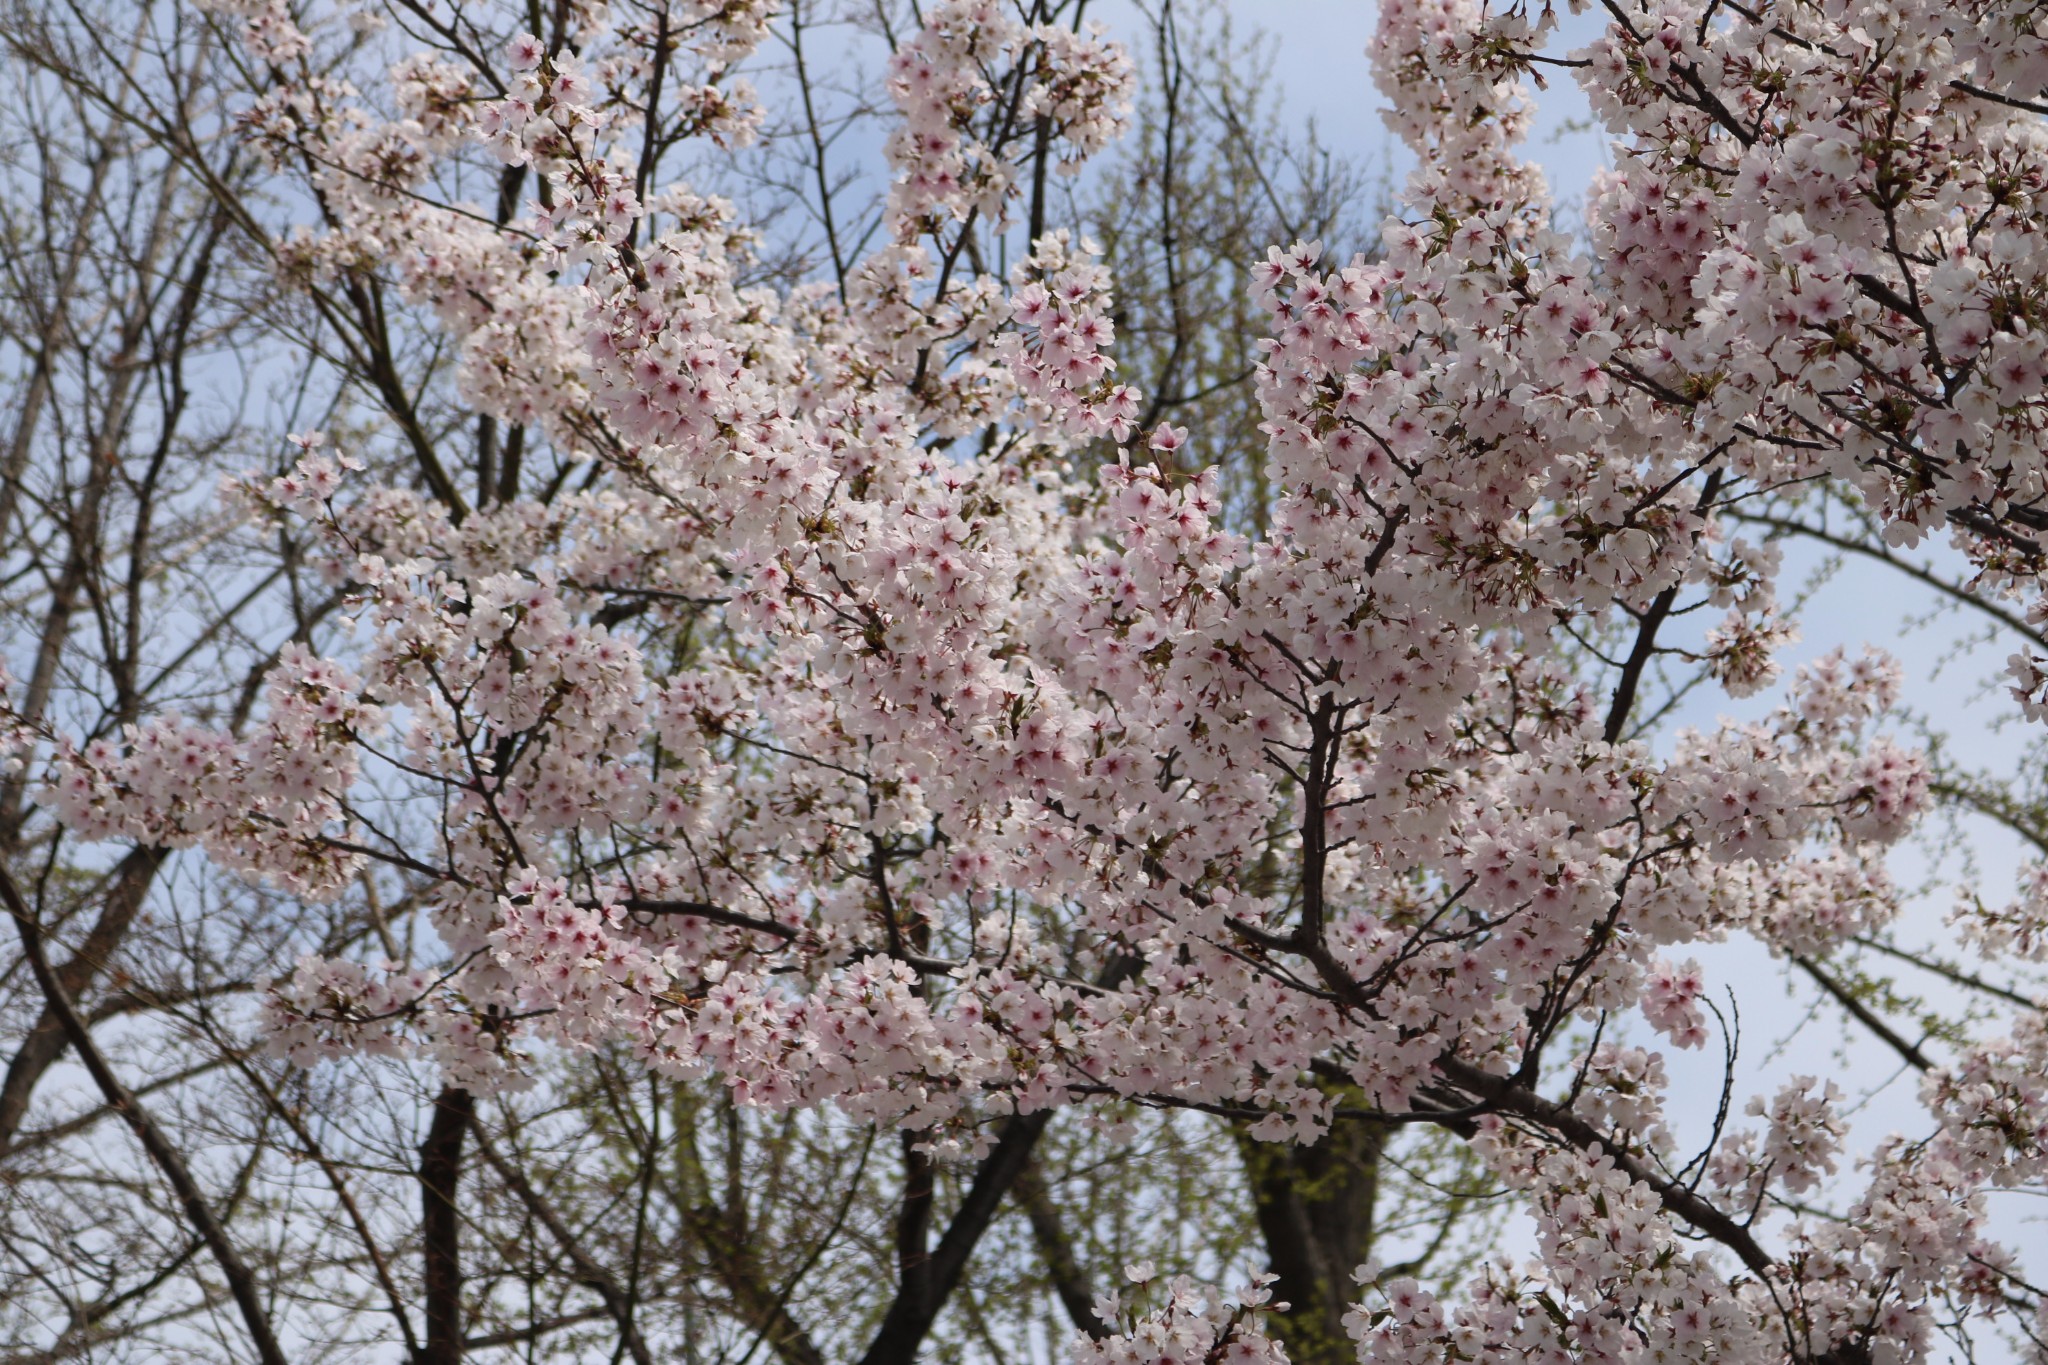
[717, 914]
[1955, 974]
[1876, 550]
[1639, 656]
[533, 1331]
[2031, 106]
[1864, 1015]
[930, 1281]
[1506, 1097]
[241, 1283]
[45, 1041]
[1062, 1267]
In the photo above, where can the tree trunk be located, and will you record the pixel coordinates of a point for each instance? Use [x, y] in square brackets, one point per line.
[441, 1224]
[1315, 1210]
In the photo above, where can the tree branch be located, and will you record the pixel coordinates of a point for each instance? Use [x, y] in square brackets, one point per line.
[241, 1283]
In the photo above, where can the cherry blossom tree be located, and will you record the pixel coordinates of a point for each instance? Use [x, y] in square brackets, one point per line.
[746, 1233]
[849, 696]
